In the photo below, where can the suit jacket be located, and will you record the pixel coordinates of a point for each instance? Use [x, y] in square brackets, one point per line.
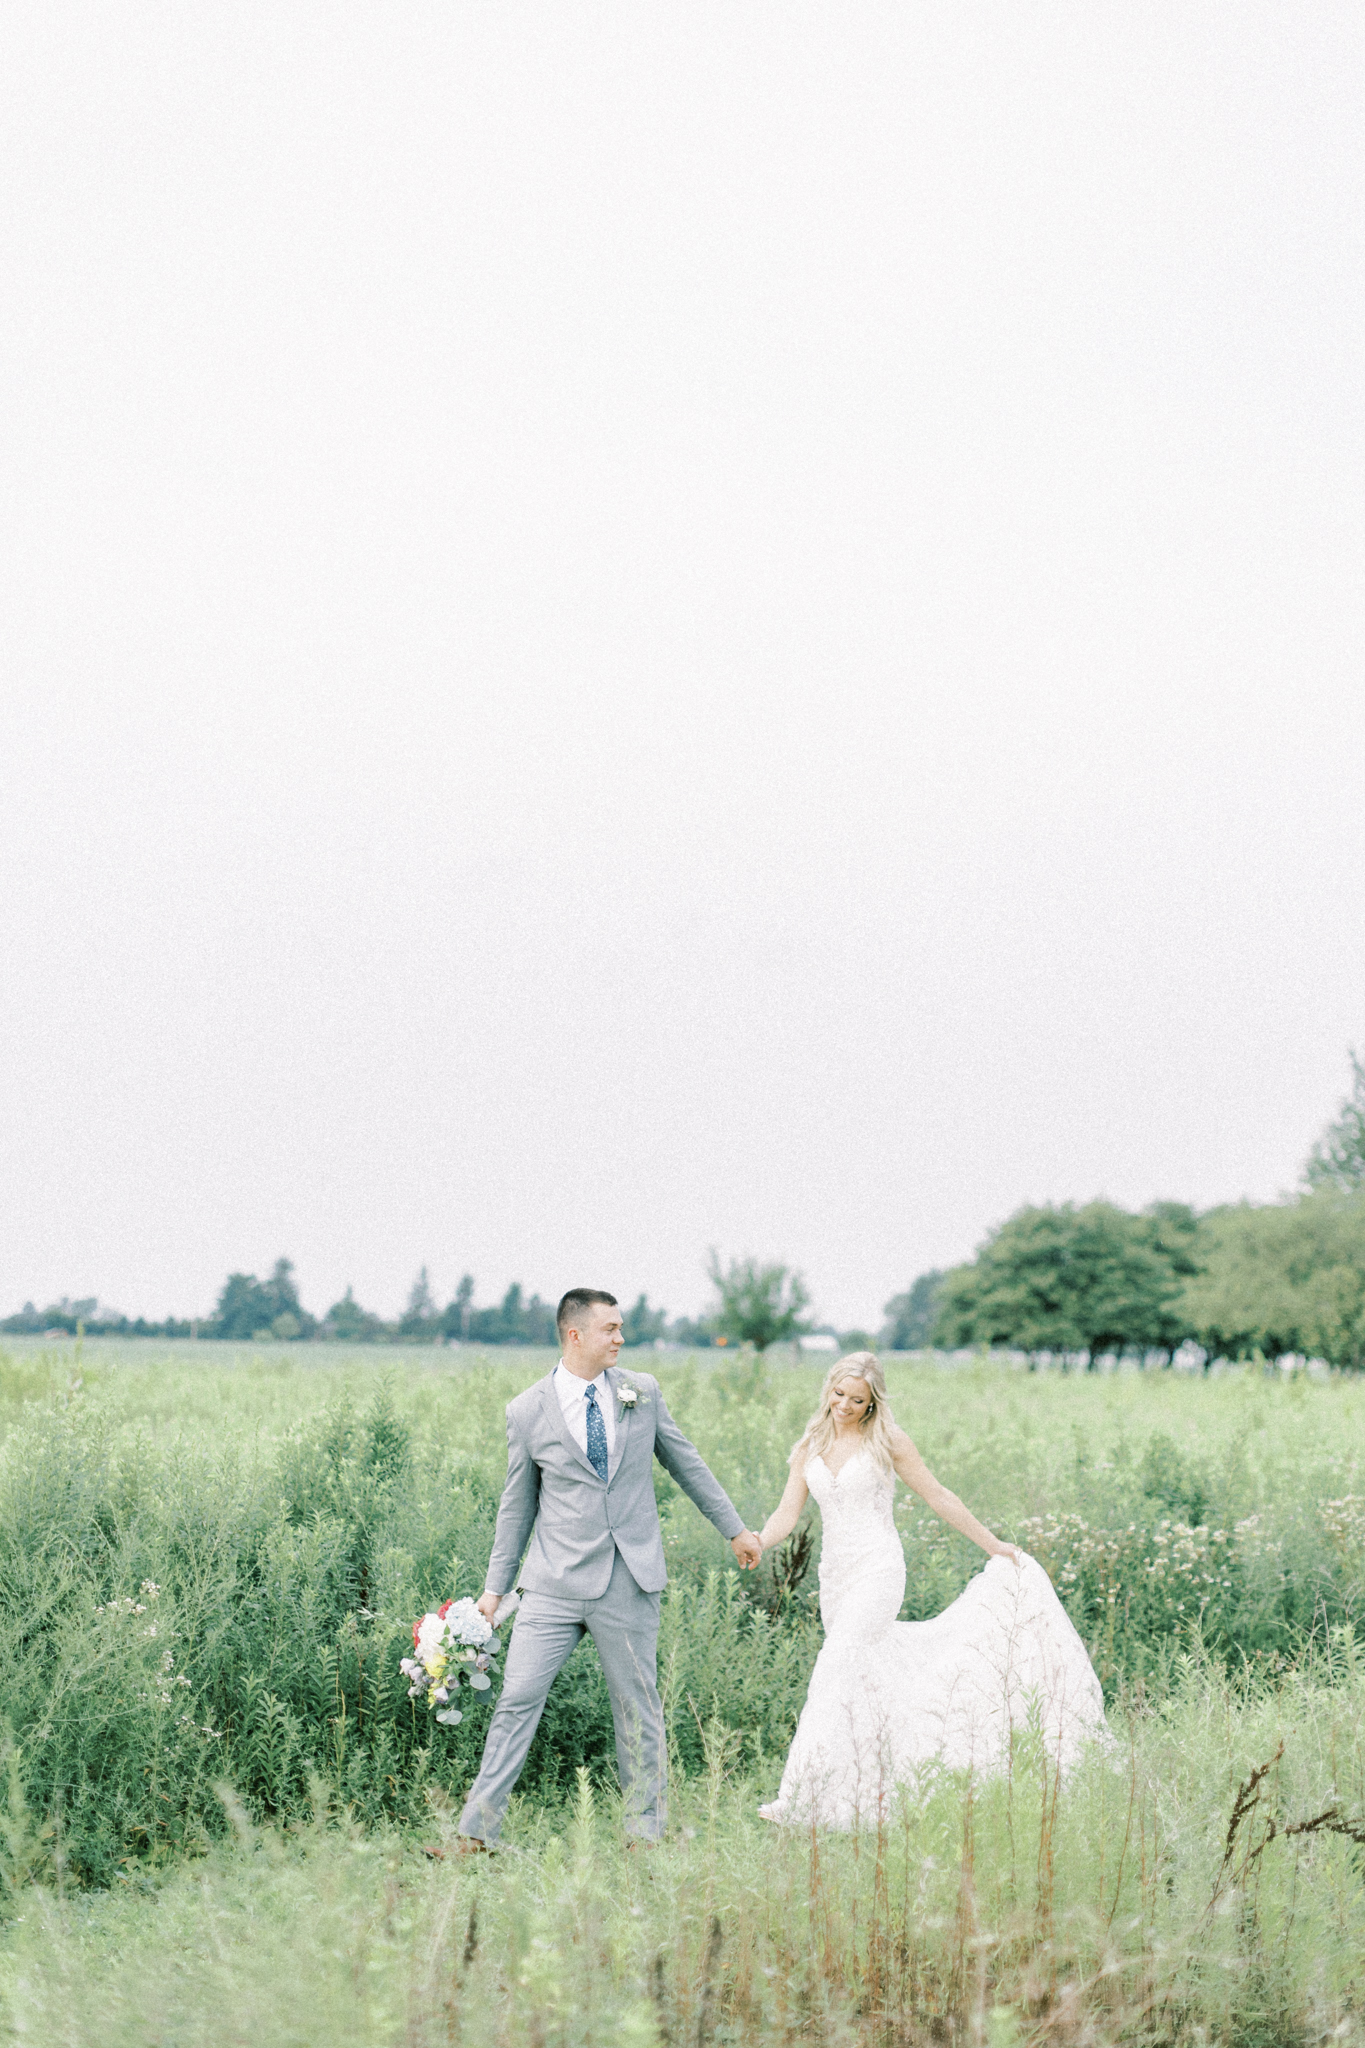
[576, 1521]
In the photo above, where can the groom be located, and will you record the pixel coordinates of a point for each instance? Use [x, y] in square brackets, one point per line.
[581, 1446]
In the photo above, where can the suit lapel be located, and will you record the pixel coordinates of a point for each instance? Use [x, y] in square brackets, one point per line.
[623, 1418]
[555, 1415]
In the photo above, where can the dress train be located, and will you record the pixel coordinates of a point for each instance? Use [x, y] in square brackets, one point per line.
[886, 1696]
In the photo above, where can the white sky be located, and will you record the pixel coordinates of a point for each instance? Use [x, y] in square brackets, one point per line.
[629, 628]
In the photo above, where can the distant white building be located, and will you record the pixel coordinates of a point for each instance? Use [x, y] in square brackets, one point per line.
[819, 1340]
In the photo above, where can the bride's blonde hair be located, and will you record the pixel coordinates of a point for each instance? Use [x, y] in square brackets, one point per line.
[876, 1425]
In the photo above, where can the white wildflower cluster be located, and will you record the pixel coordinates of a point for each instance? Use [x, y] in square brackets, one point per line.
[215, 1734]
[454, 1645]
[127, 1605]
[1189, 1564]
[170, 1682]
[1344, 1522]
[1073, 1553]
[926, 1532]
[1255, 1540]
[170, 1677]
[1175, 1568]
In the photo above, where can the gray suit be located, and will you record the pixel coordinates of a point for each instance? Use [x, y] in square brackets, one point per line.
[596, 1567]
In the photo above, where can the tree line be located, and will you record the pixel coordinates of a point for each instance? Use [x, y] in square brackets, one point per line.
[755, 1303]
[1063, 1280]
[249, 1308]
[1240, 1281]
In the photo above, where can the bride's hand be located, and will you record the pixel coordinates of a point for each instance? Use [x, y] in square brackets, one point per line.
[1009, 1550]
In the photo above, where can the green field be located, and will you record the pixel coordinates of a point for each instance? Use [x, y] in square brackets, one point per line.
[216, 1830]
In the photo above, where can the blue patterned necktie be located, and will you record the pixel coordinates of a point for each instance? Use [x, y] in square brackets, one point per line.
[597, 1435]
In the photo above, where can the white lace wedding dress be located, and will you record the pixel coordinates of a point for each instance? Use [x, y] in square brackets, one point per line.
[886, 1696]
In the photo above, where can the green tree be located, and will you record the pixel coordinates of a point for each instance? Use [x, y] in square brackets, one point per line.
[1062, 1278]
[758, 1305]
[455, 1321]
[420, 1322]
[249, 1308]
[537, 1324]
[1173, 1228]
[514, 1321]
[349, 1323]
[1175, 1232]
[288, 1316]
[643, 1324]
[1338, 1158]
[243, 1308]
[1285, 1277]
[25, 1322]
[910, 1317]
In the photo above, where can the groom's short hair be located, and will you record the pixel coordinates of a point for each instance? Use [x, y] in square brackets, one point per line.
[575, 1301]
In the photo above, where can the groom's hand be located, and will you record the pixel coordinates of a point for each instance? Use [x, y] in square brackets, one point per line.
[747, 1549]
[489, 1605]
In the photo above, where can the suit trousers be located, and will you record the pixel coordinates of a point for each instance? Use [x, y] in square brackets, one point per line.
[624, 1624]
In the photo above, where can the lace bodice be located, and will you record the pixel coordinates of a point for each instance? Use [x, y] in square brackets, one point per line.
[855, 1504]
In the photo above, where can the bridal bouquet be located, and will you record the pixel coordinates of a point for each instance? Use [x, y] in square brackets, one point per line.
[455, 1646]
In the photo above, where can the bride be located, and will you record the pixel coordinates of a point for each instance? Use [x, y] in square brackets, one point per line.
[888, 1695]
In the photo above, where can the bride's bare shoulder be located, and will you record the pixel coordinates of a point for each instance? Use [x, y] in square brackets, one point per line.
[797, 1457]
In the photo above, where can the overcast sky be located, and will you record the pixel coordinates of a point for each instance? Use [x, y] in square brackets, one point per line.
[629, 628]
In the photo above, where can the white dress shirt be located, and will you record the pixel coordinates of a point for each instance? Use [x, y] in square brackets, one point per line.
[572, 1392]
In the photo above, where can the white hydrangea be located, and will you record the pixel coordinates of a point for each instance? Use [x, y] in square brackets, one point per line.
[431, 1632]
[467, 1625]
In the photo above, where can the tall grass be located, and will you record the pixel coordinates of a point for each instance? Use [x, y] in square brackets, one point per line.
[1160, 1894]
[291, 1520]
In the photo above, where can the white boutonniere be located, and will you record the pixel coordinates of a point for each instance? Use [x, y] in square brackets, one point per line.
[629, 1396]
